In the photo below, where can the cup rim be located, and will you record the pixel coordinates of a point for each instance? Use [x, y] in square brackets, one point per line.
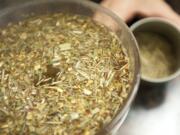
[145, 21]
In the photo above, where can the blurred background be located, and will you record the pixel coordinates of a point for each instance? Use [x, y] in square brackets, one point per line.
[156, 110]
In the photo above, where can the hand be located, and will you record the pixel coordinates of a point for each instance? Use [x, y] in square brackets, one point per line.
[127, 9]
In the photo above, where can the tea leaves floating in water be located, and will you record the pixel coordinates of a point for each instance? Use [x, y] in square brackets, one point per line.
[60, 74]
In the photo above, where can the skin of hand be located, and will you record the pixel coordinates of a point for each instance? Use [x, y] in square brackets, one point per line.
[127, 9]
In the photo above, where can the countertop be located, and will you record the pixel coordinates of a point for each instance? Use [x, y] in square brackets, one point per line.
[158, 116]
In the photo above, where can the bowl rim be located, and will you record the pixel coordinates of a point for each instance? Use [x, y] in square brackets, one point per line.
[135, 81]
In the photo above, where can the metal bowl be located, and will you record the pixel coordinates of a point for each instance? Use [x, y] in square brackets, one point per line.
[86, 8]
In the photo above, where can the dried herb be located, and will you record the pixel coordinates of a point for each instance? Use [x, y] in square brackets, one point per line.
[60, 74]
[157, 57]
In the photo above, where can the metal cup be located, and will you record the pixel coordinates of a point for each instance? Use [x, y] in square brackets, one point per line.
[166, 29]
[152, 91]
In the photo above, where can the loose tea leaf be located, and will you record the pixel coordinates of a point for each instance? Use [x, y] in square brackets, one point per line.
[157, 57]
[60, 74]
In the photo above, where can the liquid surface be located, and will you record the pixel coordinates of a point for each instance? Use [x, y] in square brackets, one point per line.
[157, 56]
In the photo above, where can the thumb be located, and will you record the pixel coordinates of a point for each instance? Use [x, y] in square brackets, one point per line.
[170, 14]
[165, 11]
[123, 8]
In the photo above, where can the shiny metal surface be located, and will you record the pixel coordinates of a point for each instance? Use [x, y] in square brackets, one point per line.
[163, 119]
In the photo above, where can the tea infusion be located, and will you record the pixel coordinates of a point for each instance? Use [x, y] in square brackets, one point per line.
[157, 56]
